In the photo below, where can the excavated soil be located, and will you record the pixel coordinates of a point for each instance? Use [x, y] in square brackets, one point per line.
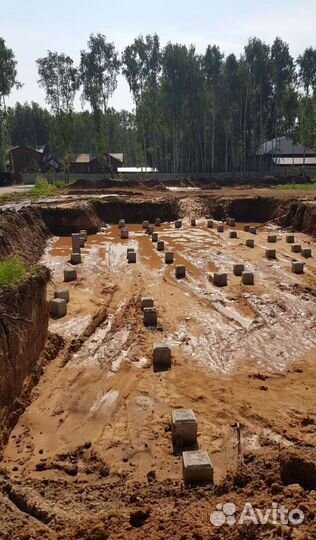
[91, 457]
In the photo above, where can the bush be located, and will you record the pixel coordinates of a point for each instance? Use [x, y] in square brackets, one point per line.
[12, 271]
[42, 188]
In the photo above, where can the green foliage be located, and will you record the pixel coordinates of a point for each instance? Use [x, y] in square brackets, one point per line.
[298, 187]
[12, 272]
[42, 188]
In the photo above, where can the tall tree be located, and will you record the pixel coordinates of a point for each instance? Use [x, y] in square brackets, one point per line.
[141, 66]
[99, 67]
[213, 65]
[8, 80]
[59, 78]
[307, 70]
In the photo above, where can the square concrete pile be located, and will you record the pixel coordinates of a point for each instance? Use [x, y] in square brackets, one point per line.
[124, 233]
[270, 254]
[131, 257]
[180, 271]
[157, 222]
[75, 258]
[197, 468]
[121, 223]
[70, 274]
[160, 245]
[169, 257]
[193, 222]
[298, 267]
[150, 316]
[75, 240]
[147, 301]
[246, 228]
[209, 224]
[62, 293]
[154, 237]
[290, 238]
[220, 228]
[232, 234]
[252, 230]
[58, 307]
[247, 278]
[178, 224]
[272, 238]
[145, 224]
[183, 427]
[250, 243]
[307, 253]
[161, 357]
[238, 269]
[220, 279]
[296, 248]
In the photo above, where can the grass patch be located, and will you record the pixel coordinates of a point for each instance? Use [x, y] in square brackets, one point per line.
[12, 271]
[302, 187]
[42, 188]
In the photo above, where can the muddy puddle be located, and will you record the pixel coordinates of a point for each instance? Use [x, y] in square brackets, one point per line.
[216, 327]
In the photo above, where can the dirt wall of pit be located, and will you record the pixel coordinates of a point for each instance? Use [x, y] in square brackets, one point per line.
[23, 333]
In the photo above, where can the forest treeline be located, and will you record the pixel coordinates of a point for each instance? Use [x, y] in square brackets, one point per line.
[193, 112]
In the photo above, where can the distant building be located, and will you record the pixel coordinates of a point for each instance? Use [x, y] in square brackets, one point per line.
[89, 164]
[84, 164]
[283, 151]
[137, 170]
[25, 159]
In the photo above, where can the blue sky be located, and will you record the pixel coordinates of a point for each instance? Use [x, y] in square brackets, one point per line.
[33, 27]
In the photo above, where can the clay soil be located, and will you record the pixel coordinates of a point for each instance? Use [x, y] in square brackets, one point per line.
[91, 458]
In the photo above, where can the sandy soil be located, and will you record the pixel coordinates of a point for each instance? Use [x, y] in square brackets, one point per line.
[95, 446]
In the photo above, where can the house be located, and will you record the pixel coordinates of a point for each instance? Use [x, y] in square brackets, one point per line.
[284, 152]
[89, 164]
[25, 159]
[85, 164]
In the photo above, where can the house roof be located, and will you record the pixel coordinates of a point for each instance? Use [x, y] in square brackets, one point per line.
[118, 156]
[84, 158]
[283, 146]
